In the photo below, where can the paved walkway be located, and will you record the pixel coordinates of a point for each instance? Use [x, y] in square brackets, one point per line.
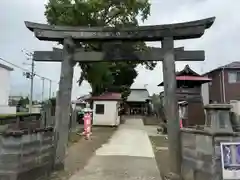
[127, 156]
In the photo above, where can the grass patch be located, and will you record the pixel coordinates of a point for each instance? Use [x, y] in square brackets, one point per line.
[159, 144]
[79, 153]
[74, 137]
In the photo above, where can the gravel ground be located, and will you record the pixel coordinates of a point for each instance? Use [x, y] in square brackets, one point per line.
[160, 144]
[81, 150]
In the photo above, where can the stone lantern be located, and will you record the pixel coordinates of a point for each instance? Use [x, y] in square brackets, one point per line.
[218, 118]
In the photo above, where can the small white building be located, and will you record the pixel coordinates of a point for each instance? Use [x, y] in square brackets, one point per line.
[106, 109]
[5, 90]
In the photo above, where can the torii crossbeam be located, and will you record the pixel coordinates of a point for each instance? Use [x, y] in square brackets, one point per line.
[152, 54]
[188, 30]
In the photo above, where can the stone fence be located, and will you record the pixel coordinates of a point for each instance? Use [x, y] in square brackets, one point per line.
[20, 122]
[201, 157]
[26, 154]
[27, 149]
[48, 118]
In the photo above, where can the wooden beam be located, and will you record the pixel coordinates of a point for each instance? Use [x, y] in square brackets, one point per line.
[186, 30]
[190, 56]
[154, 54]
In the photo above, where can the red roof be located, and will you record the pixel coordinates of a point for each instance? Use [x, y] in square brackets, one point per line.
[109, 96]
[190, 78]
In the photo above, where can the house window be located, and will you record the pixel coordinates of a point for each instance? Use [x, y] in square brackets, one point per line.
[234, 77]
[99, 109]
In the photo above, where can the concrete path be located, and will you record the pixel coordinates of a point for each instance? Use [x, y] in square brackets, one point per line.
[127, 156]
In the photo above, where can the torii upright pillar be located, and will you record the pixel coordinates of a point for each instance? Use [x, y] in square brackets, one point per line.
[170, 106]
[63, 103]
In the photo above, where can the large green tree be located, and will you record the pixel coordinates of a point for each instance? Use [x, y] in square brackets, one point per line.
[115, 13]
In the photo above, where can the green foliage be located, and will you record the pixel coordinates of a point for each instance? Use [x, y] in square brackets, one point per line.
[115, 13]
[125, 92]
[53, 101]
[23, 101]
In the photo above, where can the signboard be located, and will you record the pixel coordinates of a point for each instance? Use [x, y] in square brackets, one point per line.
[230, 157]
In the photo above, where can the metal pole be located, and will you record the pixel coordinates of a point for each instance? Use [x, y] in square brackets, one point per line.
[43, 89]
[223, 85]
[50, 89]
[31, 91]
[170, 107]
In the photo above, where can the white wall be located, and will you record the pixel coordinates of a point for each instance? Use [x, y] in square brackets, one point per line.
[109, 118]
[36, 109]
[205, 93]
[7, 110]
[4, 86]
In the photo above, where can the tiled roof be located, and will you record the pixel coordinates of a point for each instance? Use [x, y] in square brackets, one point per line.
[84, 97]
[138, 95]
[108, 96]
[232, 65]
[187, 71]
[79, 101]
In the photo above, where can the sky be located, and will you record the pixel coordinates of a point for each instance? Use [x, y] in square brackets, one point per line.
[221, 42]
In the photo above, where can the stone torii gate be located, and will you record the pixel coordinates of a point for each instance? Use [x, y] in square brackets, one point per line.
[69, 36]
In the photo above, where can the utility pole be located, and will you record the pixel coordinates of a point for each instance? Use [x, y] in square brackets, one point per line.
[43, 88]
[30, 76]
[31, 93]
[50, 88]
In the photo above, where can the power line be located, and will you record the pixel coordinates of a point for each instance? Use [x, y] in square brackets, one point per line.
[26, 70]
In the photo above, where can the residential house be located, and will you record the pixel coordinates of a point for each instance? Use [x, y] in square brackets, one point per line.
[106, 109]
[80, 102]
[5, 90]
[13, 100]
[225, 84]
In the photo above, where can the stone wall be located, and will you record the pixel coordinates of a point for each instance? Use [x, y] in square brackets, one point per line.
[5, 109]
[27, 145]
[20, 122]
[201, 158]
[26, 154]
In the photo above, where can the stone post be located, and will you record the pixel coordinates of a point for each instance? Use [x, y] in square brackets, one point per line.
[170, 107]
[63, 103]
